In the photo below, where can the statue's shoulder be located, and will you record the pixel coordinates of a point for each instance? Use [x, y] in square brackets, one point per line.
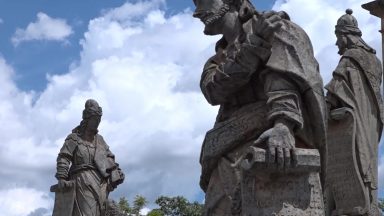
[356, 53]
[366, 60]
[70, 144]
[101, 141]
[73, 137]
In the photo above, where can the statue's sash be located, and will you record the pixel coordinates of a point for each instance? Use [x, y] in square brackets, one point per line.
[246, 124]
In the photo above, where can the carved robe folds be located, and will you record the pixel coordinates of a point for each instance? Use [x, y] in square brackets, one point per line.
[288, 85]
[355, 127]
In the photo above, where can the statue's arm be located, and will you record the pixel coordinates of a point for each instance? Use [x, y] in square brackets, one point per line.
[341, 77]
[64, 158]
[284, 100]
[222, 75]
[116, 175]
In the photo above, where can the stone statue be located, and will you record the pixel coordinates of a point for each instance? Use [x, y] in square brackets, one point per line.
[355, 124]
[86, 169]
[263, 155]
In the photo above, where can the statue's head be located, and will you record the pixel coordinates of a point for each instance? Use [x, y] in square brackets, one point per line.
[347, 31]
[219, 14]
[91, 115]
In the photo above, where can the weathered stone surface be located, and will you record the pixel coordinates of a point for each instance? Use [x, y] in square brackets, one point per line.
[304, 161]
[269, 191]
[343, 172]
[241, 127]
[266, 80]
[63, 196]
[86, 169]
[355, 124]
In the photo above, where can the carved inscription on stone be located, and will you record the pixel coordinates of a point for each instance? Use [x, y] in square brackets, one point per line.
[296, 191]
[246, 123]
[342, 171]
[282, 195]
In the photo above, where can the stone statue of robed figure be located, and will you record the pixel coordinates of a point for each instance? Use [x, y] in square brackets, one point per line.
[262, 156]
[86, 169]
[355, 124]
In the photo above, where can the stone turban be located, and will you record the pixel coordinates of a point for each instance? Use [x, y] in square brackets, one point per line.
[347, 24]
[92, 108]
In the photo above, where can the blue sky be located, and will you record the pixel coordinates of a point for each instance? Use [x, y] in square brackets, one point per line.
[142, 62]
[33, 60]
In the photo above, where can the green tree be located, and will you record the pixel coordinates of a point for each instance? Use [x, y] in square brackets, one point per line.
[381, 204]
[155, 212]
[138, 204]
[124, 206]
[178, 206]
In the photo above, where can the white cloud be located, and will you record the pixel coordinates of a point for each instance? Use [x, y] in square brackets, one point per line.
[23, 201]
[144, 69]
[318, 18]
[45, 28]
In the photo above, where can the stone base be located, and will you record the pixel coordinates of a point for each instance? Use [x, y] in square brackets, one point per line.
[293, 192]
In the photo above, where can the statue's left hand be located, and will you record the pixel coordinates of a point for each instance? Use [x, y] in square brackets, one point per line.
[280, 144]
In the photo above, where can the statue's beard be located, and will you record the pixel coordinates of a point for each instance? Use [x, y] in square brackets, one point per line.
[211, 17]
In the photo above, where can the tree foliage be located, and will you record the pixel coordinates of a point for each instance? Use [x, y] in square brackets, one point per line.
[168, 206]
[178, 206]
[138, 204]
[124, 206]
[381, 204]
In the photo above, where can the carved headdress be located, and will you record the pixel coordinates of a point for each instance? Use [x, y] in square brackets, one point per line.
[347, 24]
[92, 108]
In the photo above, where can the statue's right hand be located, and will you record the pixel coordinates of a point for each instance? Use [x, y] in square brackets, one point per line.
[63, 184]
[267, 24]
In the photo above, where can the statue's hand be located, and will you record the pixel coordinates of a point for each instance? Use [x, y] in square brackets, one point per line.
[63, 184]
[267, 24]
[280, 144]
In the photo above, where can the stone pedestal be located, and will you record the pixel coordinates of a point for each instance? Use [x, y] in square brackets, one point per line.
[294, 191]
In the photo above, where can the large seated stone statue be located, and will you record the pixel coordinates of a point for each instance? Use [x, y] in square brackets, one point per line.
[262, 156]
[86, 169]
[355, 124]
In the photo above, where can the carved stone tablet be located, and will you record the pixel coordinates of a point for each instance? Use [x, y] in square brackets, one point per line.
[343, 175]
[295, 191]
[64, 200]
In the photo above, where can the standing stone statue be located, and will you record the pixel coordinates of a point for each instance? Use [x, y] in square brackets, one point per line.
[263, 155]
[86, 169]
[355, 124]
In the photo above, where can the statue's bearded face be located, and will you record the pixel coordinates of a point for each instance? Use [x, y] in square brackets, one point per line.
[211, 13]
[341, 43]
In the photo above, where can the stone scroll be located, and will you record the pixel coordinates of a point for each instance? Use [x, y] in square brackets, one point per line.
[295, 191]
[343, 175]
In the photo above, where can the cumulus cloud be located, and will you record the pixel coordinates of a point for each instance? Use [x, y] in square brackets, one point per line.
[44, 28]
[143, 67]
[23, 201]
[144, 70]
[318, 18]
